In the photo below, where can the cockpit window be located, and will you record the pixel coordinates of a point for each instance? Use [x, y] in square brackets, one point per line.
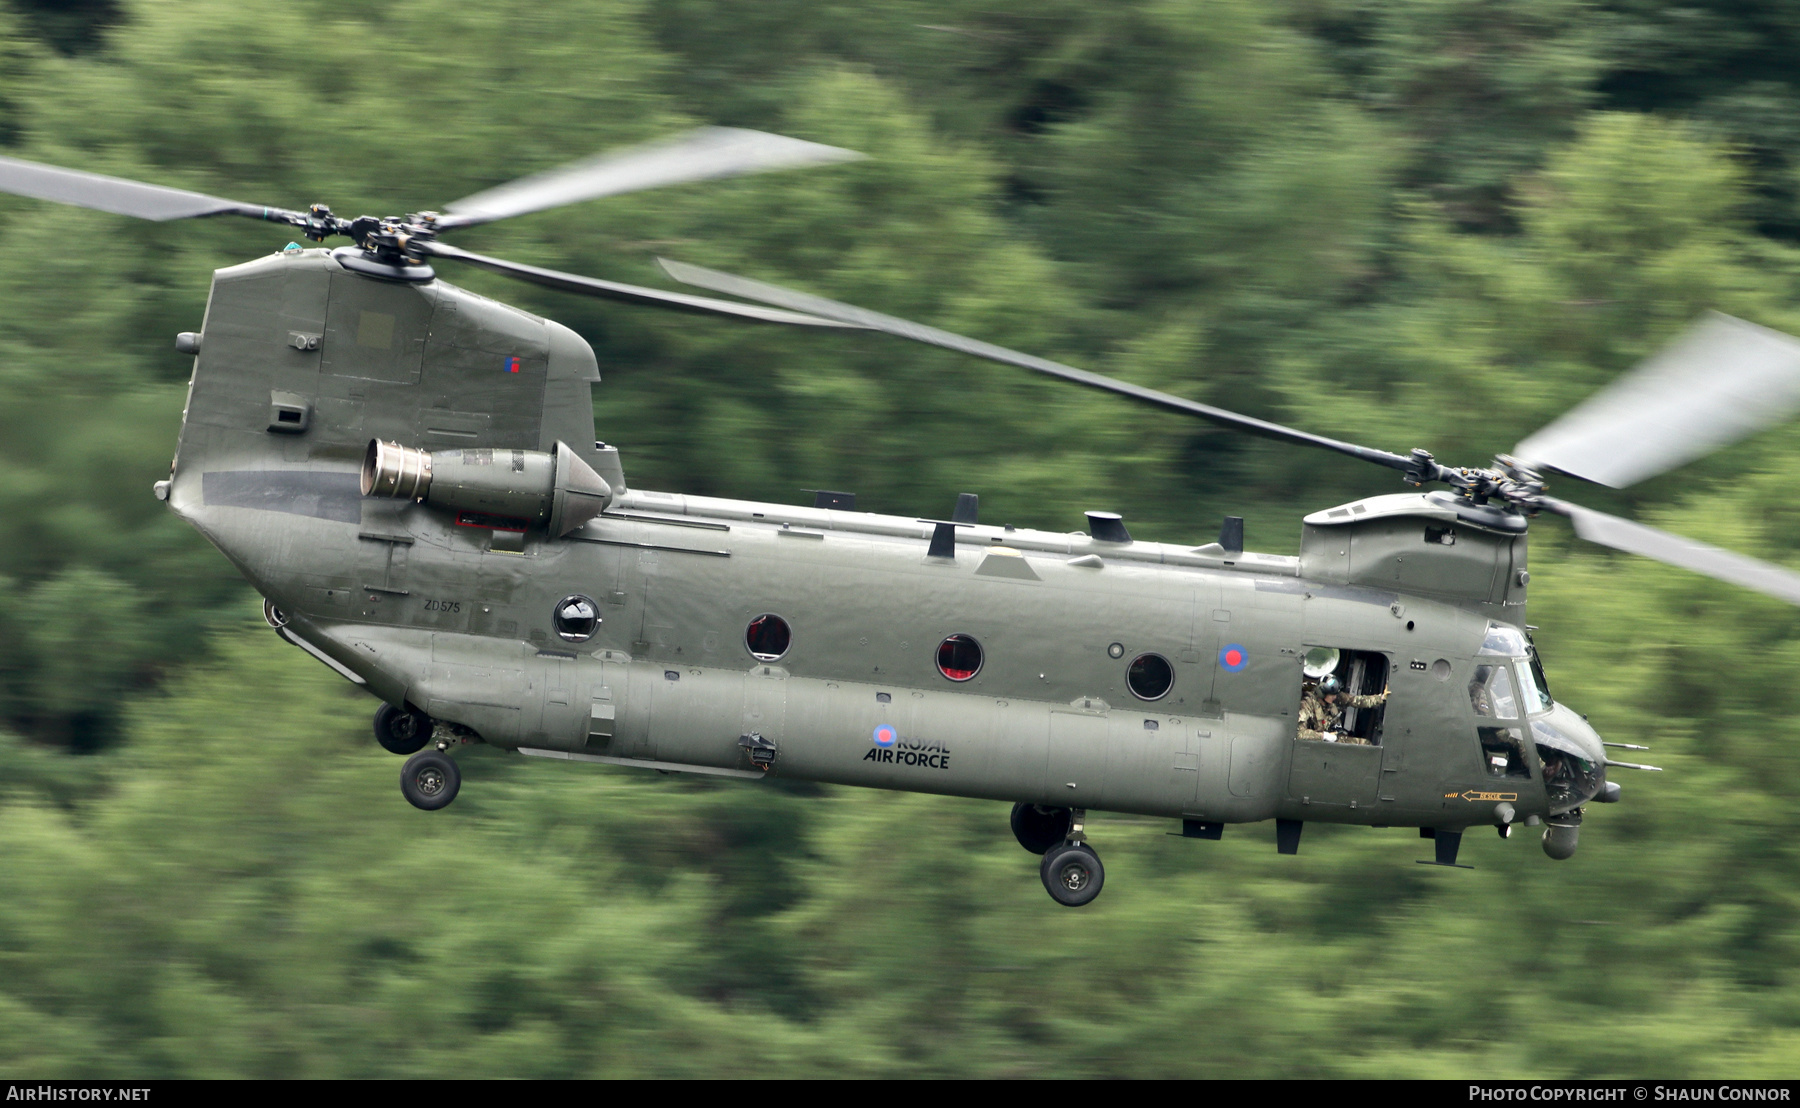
[1533, 699]
[1503, 752]
[1491, 693]
[1543, 684]
[1505, 641]
[1570, 778]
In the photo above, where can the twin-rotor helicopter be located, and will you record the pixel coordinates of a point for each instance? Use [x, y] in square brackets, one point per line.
[409, 474]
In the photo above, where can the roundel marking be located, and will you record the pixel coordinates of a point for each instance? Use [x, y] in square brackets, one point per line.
[885, 736]
[1233, 657]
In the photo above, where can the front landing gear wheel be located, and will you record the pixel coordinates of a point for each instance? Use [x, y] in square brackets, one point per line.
[401, 732]
[430, 780]
[1039, 828]
[1072, 874]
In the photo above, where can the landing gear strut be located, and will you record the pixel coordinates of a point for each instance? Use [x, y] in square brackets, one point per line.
[1071, 870]
[400, 731]
[430, 780]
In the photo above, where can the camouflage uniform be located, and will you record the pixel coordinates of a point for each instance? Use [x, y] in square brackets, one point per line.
[1318, 717]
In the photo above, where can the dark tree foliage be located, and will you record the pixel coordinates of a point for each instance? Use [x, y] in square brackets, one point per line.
[1727, 65]
[69, 26]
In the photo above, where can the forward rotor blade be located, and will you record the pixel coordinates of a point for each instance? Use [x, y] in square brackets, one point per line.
[632, 294]
[1635, 538]
[1722, 381]
[918, 332]
[704, 154]
[116, 194]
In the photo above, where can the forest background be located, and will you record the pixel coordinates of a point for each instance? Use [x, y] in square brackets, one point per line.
[1408, 223]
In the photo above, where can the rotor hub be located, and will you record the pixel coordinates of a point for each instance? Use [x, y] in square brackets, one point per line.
[1511, 484]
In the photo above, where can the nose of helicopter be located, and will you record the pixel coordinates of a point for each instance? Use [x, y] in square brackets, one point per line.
[1574, 763]
[1563, 728]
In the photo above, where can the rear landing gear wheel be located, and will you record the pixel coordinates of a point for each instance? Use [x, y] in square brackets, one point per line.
[1039, 828]
[400, 731]
[1072, 874]
[430, 780]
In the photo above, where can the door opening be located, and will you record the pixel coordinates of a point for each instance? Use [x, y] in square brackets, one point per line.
[1344, 696]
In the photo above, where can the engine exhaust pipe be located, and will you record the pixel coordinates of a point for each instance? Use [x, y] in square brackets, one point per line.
[557, 491]
[394, 472]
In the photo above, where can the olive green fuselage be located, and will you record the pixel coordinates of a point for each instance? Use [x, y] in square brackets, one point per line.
[456, 619]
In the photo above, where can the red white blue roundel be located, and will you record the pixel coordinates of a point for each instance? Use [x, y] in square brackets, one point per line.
[885, 736]
[1233, 657]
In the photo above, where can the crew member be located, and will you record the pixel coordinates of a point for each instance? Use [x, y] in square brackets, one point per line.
[1322, 707]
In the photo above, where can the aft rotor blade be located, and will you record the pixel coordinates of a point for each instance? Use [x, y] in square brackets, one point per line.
[118, 195]
[705, 154]
[918, 332]
[1635, 538]
[632, 294]
[1722, 381]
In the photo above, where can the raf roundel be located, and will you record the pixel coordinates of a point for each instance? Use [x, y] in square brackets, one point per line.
[885, 736]
[1233, 657]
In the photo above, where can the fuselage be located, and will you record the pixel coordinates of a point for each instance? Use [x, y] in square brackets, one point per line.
[458, 619]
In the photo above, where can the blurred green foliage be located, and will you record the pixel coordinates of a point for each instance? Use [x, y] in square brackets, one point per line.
[1404, 222]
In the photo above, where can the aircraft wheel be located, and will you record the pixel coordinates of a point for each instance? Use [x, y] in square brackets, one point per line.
[1039, 828]
[1073, 875]
[430, 780]
[401, 732]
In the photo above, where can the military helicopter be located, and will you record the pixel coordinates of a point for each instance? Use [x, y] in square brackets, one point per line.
[408, 473]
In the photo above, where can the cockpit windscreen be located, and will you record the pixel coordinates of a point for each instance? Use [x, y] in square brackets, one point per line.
[1533, 698]
[1505, 641]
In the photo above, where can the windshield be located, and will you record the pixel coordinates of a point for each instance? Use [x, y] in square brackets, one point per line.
[1506, 641]
[1537, 674]
[1533, 697]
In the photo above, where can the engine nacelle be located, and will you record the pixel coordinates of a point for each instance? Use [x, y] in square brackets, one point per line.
[559, 491]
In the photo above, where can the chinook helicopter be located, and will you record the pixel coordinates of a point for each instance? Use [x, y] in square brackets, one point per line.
[408, 473]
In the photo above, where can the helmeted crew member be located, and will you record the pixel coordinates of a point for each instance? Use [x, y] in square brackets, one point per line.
[1322, 706]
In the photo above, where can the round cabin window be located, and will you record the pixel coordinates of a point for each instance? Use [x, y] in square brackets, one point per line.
[959, 657]
[576, 619]
[1150, 677]
[767, 638]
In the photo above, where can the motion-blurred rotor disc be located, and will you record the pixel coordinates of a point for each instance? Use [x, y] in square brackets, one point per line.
[112, 194]
[705, 154]
[1722, 381]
